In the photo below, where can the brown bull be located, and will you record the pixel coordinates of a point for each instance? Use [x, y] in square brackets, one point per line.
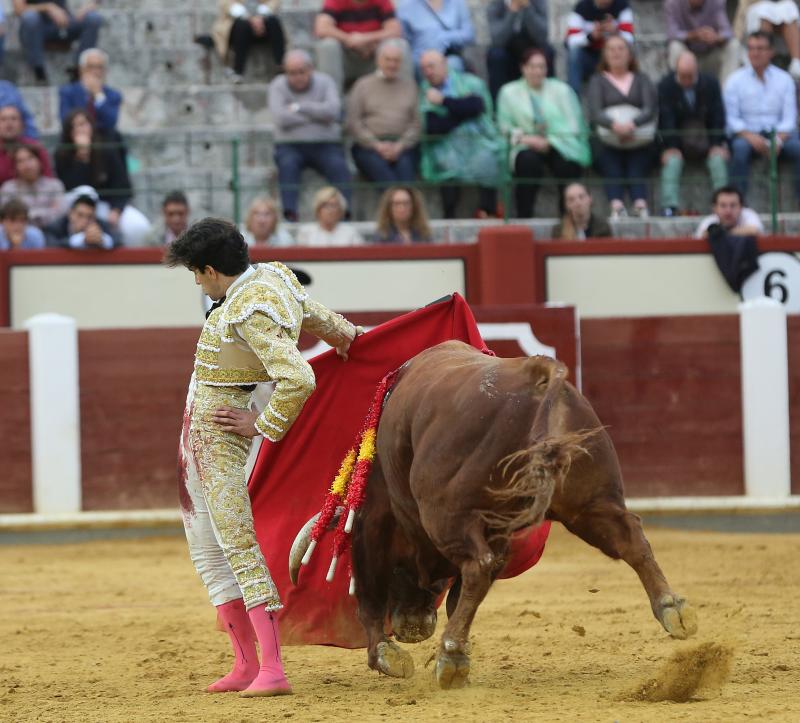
[471, 447]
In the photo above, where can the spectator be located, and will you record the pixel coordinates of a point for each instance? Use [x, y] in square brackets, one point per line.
[730, 212]
[11, 136]
[306, 109]
[622, 106]
[174, 220]
[80, 228]
[702, 26]
[761, 98]
[240, 25]
[90, 93]
[15, 231]
[578, 222]
[691, 122]
[10, 95]
[83, 158]
[771, 16]
[330, 207]
[589, 25]
[443, 25]
[42, 21]
[43, 195]
[514, 27]
[383, 118]
[463, 144]
[402, 218]
[262, 225]
[544, 119]
[348, 33]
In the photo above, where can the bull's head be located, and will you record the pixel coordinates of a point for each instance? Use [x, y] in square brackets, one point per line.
[300, 552]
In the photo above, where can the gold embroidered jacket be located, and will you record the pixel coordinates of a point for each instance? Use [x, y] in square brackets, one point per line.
[252, 337]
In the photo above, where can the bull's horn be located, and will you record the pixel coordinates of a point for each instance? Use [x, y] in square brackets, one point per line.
[302, 545]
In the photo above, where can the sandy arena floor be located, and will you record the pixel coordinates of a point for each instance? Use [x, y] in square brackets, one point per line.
[122, 631]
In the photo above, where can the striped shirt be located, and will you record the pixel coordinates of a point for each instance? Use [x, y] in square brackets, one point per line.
[354, 16]
[585, 14]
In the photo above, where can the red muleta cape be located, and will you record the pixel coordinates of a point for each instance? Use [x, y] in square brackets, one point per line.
[291, 478]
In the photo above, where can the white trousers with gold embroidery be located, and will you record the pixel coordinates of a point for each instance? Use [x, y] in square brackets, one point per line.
[217, 515]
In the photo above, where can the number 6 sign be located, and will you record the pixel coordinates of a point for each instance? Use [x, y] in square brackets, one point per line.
[778, 277]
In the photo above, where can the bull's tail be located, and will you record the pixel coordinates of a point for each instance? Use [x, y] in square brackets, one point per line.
[530, 475]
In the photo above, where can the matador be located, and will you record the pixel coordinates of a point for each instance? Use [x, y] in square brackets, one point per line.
[250, 336]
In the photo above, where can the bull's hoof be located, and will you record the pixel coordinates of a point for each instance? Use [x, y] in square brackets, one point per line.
[413, 628]
[677, 616]
[392, 660]
[452, 670]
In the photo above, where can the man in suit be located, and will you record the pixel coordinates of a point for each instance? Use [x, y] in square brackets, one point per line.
[691, 124]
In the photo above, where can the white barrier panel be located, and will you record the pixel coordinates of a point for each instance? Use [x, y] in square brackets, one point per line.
[765, 398]
[55, 413]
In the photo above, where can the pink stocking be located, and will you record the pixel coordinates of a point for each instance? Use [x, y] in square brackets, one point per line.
[245, 668]
[271, 679]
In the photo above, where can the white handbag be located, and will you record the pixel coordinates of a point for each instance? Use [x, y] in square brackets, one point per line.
[625, 113]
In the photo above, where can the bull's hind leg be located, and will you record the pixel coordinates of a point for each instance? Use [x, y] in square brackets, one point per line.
[477, 574]
[618, 533]
[373, 564]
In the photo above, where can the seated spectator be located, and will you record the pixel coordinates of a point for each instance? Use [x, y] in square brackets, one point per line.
[10, 95]
[15, 231]
[589, 25]
[80, 228]
[761, 98]
[306, 109]
[622, 106]
[578, 222]
[443, 25]
[383, 118]
[691, 122]
[42, 194]
[83, 158]
[330, 208]
[174, 220]
[348, 34]
[515, 26]
[90, 93]
[240, 25]
[11, 136]
[463, 144]
[544, 119]
[702, 26]
[770, 17]
[730, 212]
[262, 225]
[43, 21]
[402, 218]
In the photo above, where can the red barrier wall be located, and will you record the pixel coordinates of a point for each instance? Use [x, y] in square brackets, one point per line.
[16, 494]
[133, 385]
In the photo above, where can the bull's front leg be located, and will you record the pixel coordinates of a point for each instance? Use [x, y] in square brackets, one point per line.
[477, 574]
[373, 564]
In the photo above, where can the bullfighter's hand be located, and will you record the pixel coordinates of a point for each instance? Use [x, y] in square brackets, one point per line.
[237, 421]
[344, 348]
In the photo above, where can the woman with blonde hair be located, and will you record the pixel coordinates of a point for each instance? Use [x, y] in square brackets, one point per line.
[330, 207]
[402, 218]
[261, 224]
[623, 108]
